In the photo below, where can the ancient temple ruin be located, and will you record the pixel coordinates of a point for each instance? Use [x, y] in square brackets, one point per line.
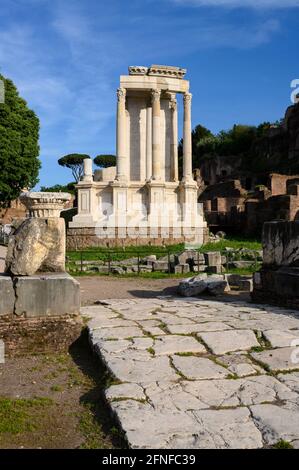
[143, 200]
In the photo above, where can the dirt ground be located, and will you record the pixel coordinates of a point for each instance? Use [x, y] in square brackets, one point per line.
[55, 401]
[112, 287]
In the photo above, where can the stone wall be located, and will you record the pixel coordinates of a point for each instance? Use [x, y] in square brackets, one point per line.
[79, 238]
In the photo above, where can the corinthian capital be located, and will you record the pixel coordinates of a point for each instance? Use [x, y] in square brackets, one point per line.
[121, 94]
[155, 95]
[187, 98]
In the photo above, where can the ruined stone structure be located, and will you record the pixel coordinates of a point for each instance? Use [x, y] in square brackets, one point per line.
[278, 280]
[229, 206]
[35, 284]
[143, 201]
[241, 194]
[15, 210]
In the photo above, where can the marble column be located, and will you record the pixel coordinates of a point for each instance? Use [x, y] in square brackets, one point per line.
[87, 173]
[174, 138]
[156, 138]
[121, 163]
[148, 142]
[187, 142]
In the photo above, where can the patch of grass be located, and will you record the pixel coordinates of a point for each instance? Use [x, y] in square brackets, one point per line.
[283, 445]
[91, 429]
[244, 271]
[257, 349]
[56, 388]
[21, 415]
[151, 351]
[119, 254]
[233, 242]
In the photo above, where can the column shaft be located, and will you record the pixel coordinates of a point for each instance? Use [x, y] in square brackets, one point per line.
[148, 142]
[174, 139]
[187, 145]
[156, 138]
[121, 164]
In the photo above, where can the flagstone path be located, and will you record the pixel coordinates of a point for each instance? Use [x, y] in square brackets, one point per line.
[199, 373]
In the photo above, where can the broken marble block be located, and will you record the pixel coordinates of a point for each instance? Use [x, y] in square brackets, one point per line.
[193, 286]
[37, 245]
[216, 284]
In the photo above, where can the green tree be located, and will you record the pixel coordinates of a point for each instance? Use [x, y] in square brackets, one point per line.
[19, 149]
[67, 188]
[74, 161]
[105, 161]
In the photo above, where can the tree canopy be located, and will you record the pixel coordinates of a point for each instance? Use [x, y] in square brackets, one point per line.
[74, 161]
[67, 188]
[105, 161]
[19, 149]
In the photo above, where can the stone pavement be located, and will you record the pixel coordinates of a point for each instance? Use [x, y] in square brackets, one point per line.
[199, 373]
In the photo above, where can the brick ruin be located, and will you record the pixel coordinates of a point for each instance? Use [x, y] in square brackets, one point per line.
[236, 199]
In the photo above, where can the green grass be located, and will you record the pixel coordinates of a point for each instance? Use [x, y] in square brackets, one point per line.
[21, 415]
[118, 253]
[233, 242]
[283, 445]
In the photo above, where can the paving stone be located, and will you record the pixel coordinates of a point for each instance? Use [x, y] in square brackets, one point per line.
[148, 428]
[240, 392]
[141, 371]
[281, 339]
[107, 322]
[277, 359]
[227, 429]
[291, 380]
[142, 343]
[171, 344]
[240, 364]
[228, 341]
[198, 327]
[120, 332]
[276, 423]
[172, 319]
[193, 413]
[198, 368]
[126, 390]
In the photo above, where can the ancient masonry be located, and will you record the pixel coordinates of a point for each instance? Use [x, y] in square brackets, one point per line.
[143, 200]
[199, 373]
[38, 299]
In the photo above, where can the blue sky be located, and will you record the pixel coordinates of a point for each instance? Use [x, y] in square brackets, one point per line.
[65, 56]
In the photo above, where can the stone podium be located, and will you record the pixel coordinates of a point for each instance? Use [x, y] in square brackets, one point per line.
[36, 282]
[146, 202]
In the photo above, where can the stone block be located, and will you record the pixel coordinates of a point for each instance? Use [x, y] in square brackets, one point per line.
[37, 245]
[182, 268]
[161, 266]
[193, 286]
[246, 285]
[49, 294]
[233, 279]
[213, 258]
[280, 243]
[187, 256]
[217, 285]
[7, 295]
[199, 259]
[214, 269]
[200, 268]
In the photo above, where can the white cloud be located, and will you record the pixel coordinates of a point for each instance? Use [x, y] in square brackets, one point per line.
[259, 4]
